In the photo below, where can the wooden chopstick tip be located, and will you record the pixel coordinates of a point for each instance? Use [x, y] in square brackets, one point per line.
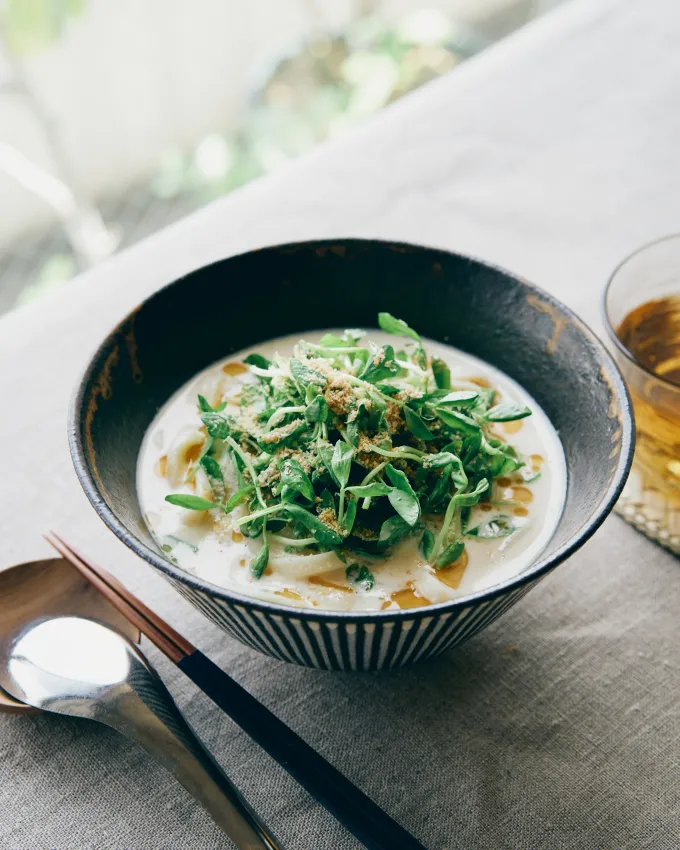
[159, 632]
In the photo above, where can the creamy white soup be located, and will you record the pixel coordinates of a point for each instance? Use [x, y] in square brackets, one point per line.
[324, 443]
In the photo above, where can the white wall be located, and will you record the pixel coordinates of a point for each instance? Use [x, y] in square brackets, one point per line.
[132, 77]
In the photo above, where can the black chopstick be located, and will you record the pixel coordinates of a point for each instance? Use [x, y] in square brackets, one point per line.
[350, 806]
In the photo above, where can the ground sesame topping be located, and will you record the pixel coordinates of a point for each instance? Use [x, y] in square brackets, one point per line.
[341, 446]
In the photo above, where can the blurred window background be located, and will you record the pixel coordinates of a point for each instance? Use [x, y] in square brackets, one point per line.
[118, 117]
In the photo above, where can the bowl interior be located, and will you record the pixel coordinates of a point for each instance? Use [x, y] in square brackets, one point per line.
[244, 300]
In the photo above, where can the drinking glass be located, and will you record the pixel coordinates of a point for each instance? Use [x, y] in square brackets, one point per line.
[642, 315]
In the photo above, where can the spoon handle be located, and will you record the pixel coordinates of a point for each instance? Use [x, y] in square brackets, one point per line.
[353, 809]
[145, 712]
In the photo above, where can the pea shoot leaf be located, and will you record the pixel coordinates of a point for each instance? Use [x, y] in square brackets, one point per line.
[391, 325]
[387, 389]
[436, 461]
[332, 341]
[452, 552]
[325, 535]
[361, 575]
[238, 498]
[380, 365]
[191, 503]
[442, 374]
[215, 477]
[507, 412]
[487, 396]
[457, 421]
[305, 375]
[392, 531]
[350, 515]
[402, 497]
[375, 418]
[259, 563]
[341, 462]
[217, 426]
[471, 498]
[325, 452]
[317, 410]
[426, 544]
[257, 360]
[357, 424]
[461, 398]
[205, 407]
[375, 488]
[285, 435]
[295, 479]
[440, 490]
[254, 528]
[416, 425]
[327, 501]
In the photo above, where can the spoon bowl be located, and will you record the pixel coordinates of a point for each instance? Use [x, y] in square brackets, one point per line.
[49, 588]
[81, 668]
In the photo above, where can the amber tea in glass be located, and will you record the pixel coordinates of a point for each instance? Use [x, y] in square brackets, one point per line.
[642, 306]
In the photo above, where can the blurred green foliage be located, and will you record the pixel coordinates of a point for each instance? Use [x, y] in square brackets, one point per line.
[331, 82]
[328, 83]
[30, 25]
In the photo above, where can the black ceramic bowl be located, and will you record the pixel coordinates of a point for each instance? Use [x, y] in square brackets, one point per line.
[243, 300]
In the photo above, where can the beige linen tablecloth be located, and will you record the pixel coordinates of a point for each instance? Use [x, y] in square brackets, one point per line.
[554, 154]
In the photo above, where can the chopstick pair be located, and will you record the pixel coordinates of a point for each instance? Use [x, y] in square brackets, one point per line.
[349, 805]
